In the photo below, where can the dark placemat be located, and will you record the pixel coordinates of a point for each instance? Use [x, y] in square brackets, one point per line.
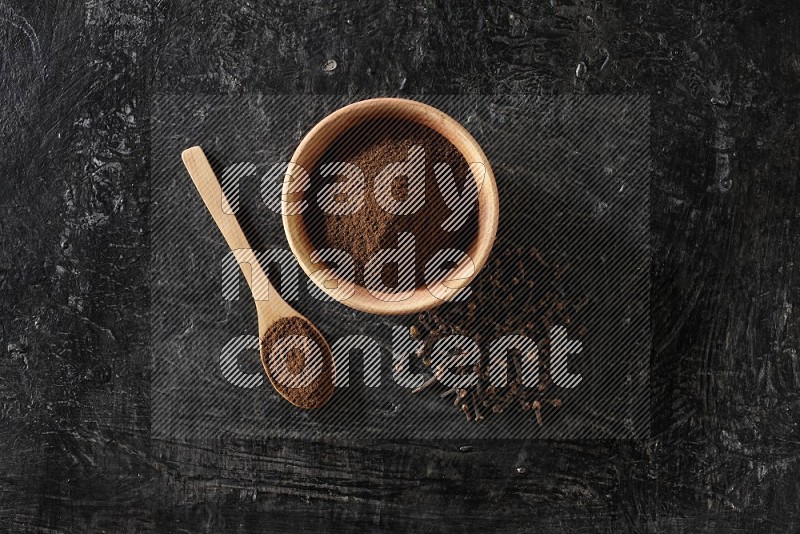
[573, 176]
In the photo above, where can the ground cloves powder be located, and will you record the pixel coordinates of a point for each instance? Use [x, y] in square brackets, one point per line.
[290, 365]
[372, 146]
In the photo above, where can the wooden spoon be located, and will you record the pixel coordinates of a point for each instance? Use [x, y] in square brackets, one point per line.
[301, 368]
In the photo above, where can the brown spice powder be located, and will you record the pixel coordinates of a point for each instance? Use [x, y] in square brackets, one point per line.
[372, 146]
[320, 390]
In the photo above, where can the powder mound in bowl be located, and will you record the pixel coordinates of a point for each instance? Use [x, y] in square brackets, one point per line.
[298, 362]
[372, 146]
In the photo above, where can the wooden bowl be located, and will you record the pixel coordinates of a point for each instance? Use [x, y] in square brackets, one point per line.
[314, 145]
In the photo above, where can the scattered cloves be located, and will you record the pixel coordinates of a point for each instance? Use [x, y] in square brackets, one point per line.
[520, 292]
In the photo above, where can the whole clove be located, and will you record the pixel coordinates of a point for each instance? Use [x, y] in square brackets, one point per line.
[537, 408]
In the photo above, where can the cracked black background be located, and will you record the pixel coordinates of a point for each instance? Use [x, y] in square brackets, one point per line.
[76, 80]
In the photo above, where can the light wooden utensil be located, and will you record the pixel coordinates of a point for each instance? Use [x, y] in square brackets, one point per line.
[270, 307]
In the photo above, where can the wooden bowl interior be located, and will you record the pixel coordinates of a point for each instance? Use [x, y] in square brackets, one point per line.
[329, 129]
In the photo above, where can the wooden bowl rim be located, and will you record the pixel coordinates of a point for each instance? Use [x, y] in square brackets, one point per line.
[320, 137]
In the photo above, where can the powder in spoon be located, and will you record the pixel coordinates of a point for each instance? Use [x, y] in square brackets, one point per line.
[298, 362]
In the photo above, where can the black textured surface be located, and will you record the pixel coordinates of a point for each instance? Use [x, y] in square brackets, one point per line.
[76, 79]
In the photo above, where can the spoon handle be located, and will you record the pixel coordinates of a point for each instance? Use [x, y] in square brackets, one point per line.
[210, 191]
